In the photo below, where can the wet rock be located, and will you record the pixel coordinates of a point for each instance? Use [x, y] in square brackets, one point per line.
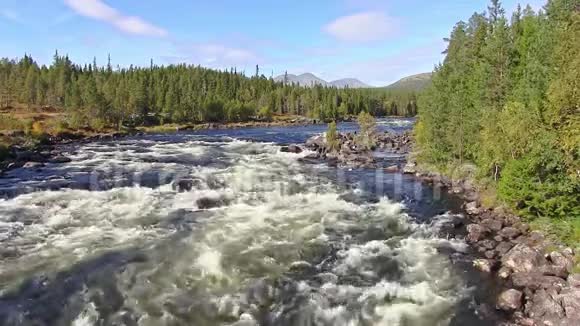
[316, 142]
[261, 293]
[472, 208]
[60, 159]
[183, 185]
[522, 258]
[475, 233]
[301, 267]
[484, 265]
[327, 278]
[510, 300]
[509, 232]
[33, 165]
[291, 149]
[208, 203]
[313, 158]
[392, 169]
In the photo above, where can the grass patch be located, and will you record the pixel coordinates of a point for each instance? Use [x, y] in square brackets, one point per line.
[566, 231]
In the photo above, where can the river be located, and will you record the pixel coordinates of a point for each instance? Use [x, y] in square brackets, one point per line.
[261, 238]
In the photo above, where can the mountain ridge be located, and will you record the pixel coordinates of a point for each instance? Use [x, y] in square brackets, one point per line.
[309, 80]
[415, 82]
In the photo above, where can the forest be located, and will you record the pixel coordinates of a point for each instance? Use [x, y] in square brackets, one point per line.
[506, 100]
[99, 96]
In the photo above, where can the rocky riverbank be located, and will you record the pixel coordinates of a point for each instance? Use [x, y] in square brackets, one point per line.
[536, 275]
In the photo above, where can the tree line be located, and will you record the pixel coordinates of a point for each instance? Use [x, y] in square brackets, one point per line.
[507, 98]
[97, 96]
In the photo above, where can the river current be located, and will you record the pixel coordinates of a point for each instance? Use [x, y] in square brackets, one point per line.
[261, 238]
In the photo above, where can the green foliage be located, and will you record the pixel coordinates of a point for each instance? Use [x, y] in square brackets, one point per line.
[367, 129]
[506, 98]
[100, 97]
[265, 113]
[332, 142]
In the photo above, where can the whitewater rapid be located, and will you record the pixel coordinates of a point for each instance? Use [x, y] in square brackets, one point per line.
[281, 243]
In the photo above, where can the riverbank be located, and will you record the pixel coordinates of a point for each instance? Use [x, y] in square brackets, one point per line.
[33, 148]
[538, 276]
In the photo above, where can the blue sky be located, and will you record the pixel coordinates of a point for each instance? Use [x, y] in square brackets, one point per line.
[377, 41]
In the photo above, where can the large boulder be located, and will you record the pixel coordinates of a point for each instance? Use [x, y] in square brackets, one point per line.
[544, 308]
[522, 258]
[316, 142]
[510, 300]
[536, 280]
[570, 299]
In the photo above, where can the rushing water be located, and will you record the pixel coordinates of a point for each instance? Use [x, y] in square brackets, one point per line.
[260, 239]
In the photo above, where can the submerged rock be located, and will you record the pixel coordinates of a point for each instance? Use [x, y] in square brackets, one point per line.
[207, 202]
[291, 149]
[183, 185]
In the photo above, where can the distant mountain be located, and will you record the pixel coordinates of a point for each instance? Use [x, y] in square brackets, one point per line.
[413, 83]
[310, 80]
[349, 82]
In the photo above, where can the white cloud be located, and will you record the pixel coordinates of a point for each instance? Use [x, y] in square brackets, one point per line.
[10, 15]
[362, 27]
[97, 9]
[213, 55]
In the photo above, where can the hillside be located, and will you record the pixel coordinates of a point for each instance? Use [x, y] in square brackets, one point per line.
[413, 83]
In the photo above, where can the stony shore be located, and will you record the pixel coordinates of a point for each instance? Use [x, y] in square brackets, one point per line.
[538, 286]
[536, 274]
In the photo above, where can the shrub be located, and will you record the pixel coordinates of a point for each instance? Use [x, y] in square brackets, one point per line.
[332, 142]
[537, 185]
[367, 129]
[265, 113]
[37, 128]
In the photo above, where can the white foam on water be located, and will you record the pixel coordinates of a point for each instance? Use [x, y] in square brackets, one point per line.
[270, 216]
